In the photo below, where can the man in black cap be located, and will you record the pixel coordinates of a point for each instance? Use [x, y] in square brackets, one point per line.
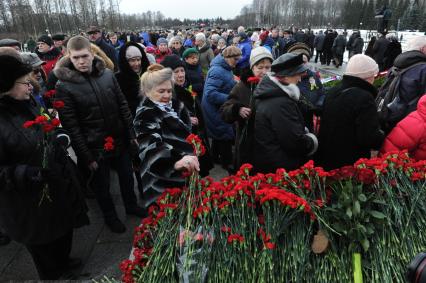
[95, 36]
[58, 40]
[281, 137]
[47, 53]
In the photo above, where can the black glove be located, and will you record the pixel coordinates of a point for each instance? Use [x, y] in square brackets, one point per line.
[36, 175]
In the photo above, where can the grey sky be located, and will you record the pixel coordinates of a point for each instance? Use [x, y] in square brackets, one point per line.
[191, 9]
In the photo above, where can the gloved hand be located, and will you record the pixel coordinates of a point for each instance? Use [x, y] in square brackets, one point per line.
[36, 175]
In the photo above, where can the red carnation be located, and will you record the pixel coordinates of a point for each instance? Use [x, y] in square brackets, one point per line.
[55, 122]
[50, 93]
[40, 119]
[48, 128]
[109, 146]
[58, 104]
[29, 124]
[269, 246]
[253, 80]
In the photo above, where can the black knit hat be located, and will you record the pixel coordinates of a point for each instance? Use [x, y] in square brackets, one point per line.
[172, 61]
[11, 69]
[46, 39]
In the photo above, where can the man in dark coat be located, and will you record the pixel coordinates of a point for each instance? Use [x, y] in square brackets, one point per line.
[281, 137]
[278, 48]
[95, 36]
[319, 46]
[412, 83]
[379, 50]
[328, 45]
[350, 123]
[338, 49]
[95, 109]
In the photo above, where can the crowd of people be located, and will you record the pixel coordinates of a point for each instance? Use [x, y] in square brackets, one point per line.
[128, 101]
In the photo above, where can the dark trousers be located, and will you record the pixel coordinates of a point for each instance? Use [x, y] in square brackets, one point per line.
[222, 151]
[51, 259]
[101, 183]
[320, 55]
[328, 54]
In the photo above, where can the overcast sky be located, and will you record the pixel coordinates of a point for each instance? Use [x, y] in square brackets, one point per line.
[192, 9]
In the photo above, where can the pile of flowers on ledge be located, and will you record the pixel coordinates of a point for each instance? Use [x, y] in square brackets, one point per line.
[360, 222]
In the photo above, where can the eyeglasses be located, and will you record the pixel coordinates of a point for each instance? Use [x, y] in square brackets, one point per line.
[24, 83]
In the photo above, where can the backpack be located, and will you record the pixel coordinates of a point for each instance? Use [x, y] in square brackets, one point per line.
[388, 100]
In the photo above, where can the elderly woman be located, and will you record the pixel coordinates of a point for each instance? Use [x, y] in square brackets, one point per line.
[219, 83]
[176, 44]
[192, 104]
[162, 124]
[44, 226]
[239, 107]
[281, 137]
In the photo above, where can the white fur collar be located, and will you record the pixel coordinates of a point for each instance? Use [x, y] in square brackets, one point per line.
[292, 90]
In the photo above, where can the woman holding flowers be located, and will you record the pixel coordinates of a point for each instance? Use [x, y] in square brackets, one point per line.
[185, 94]
[39, 202]
[162, 124]
[239, 108]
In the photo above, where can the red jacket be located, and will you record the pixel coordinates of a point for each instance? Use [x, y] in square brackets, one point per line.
[50, 58]
[410, 133]
[160, 56]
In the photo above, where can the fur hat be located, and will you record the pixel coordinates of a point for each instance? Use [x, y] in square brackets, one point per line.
[46, 39]
[300, 48]
[11, 70]
[8, 42]
[362, 66]
[288, 65]
[162, 40]
[259, 53]
[200, 36]
[58, 36]
[172, 61]
[231, 51]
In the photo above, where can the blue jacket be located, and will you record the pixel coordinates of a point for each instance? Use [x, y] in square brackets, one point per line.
[245, 47]
[269, 44]
[188, 43]
[219, 83]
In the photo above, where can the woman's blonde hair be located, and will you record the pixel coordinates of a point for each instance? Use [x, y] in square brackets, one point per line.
[155, 75]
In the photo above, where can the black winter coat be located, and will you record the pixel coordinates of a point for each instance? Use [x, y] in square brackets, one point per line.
[349, 124]
[379, 49]
[128, 80]
[392, 51]
[195, 78]
[22, 214]
[162, 143]
[109, 51]
[94, 108]
[241, 96]
[280, 137]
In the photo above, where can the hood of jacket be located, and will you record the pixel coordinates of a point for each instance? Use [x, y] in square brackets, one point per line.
[204, 48]
[409, 58]
[65, 71]
[421, 107]
[124, 64]
[219, 61]
[270, 87]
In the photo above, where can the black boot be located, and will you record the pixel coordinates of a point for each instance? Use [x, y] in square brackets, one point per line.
[115, 225]
[4, 239]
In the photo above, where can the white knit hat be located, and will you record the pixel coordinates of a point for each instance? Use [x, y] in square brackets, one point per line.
[200, 37]
[362, 66]
[132, 52]
[258, 54]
